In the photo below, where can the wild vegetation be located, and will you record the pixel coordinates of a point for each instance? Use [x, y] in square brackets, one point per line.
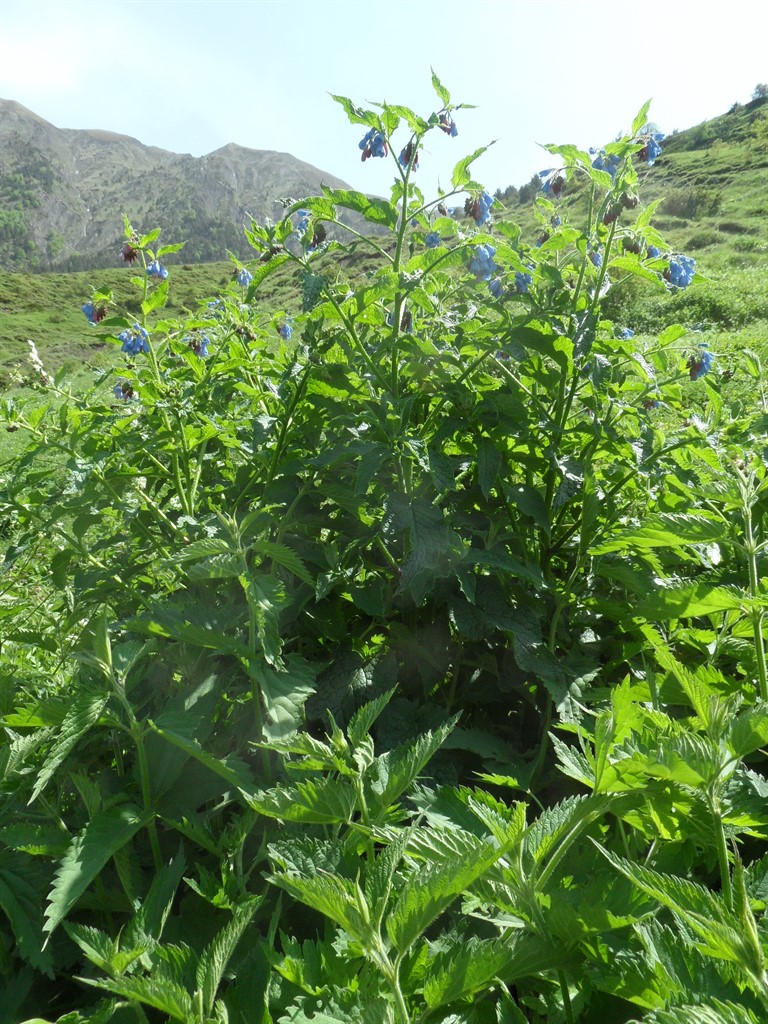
[394, 649]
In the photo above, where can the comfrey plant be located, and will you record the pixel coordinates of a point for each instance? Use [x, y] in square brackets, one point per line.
[340, 591]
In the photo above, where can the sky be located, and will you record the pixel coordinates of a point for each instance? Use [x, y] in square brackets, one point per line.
[191, 76]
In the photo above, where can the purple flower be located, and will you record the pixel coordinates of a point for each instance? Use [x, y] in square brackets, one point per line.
[409, 155]
[199, 344]
[522, 282]
[156, 269]
[447, 124]
[681, 271]
[481, 264]
[432, 239]
[626, 333]
[700, 362]
[94, 314]
[134, 339]
[373, 144]
[552, 182]
[128, 254]
[479, 208]
[244, 278]
[496, 288]
[123, 390]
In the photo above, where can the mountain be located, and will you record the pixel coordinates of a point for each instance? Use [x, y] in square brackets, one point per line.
[63, 193]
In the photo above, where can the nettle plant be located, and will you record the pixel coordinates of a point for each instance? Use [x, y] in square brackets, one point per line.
[297, 561]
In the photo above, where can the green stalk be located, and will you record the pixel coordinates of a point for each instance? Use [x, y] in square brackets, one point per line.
[757, 614]
[722, 851]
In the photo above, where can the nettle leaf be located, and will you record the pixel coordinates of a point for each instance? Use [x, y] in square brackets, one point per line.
[429, 891]
[688, 601]
[392, 773]
[362, 721]
[356, 114]
[105, 834]
[284, 693]
[217, 954]
[174, 726]
[161, 993]
[713, 1012]
[84, 713]
[266, 597]
[337, 898]
[325, 801]
[665, 530]
[282, 555]
[469, 966]
[489, 462]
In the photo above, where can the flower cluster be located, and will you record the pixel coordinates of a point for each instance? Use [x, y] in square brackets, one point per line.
[626, 333]
[681, 271]
[447, 124]
[37, 363]
[244, 277]
[303, 222]
[94, 314]
[432, 239]
[156, 269]
[199, 344]
[700, 362]
[285, 330]
[481, 264]
[496, 288]
[523, 282]
[373, 144]
[654, 252]
[123, 390]
[479, 208]
[604, 162]
[134, 339]
[552, 182]
[651, 150]
[409, 155]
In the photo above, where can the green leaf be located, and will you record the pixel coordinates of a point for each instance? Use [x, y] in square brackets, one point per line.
[361, 722]
[174, 725]
[266, 596]
[157, 299]
[284, 556]
[641, 119]
[442, 93]
[461, 175]
[82, 715]
[337, 898]
[390, 775]
[469, 966]
[284, 693]
[375, 210]
[673, 530]
[105, 834]
[263, 271]
[161, 993]
[688, 601]
[430, 890]
[488, 465]
[20, 902]
[217, 954]
[356, 114]
[324, 801]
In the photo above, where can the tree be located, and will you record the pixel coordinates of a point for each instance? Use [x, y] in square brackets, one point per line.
[760, 91]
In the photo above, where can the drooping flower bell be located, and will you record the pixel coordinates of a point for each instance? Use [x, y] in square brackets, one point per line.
[373, 143]
[447, 124]
[285, 330]
[409, 155]
[244, 277]
[94, 314]
[156, 269]
[478, 208]
[135, 340]
[128, 254]
[481, 264]
[681, 271]
[700, 362]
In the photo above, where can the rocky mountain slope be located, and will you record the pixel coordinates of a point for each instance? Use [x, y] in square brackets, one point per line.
[63, 193]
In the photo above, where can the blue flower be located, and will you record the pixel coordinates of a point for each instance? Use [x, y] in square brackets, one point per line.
[481, 264]
[479, 208]
[626, 333]
[285, 331]
[156, 269]
[432, 239]
[603, 162]
[496, 288]
[199, 344]
[303, 221]
[654, 252]
[373, 144]
[94, 314]
[123, 390]
[522, 282]
[651, 149]
[681, 271]
[409, 155]
[134, 339]
[244, 278]
[700, 362]
[596, 258]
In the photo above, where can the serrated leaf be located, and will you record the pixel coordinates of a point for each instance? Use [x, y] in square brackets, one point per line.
[461, 176]
[284, 556]
[263, 271]
[361, 722]
[20, 902]
[266, 597]
[217, 954]
[488, 465]
[106, 833]
[324, 801]
[157, 298]
[664, 530]
[337, 898]
[284, 693]
[390, 775]
[442, 93]
[373, 209]
[161, 993]
[174, 725]
[82, 715]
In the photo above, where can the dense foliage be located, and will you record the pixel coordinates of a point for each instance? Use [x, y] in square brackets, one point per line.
[396, 658]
